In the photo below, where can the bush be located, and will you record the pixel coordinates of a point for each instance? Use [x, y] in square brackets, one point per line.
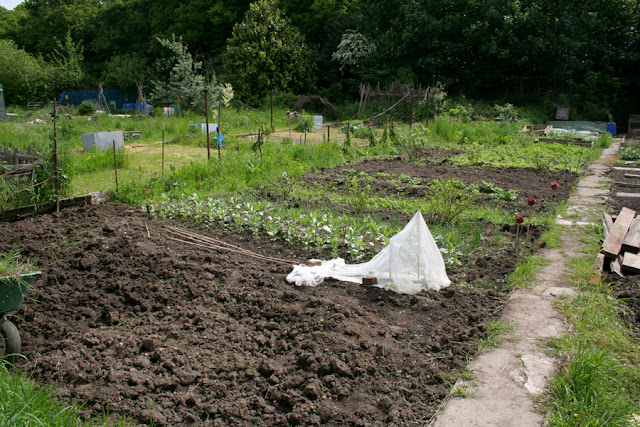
[86, 109]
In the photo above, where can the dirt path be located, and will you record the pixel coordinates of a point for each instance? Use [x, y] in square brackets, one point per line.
[506, 380]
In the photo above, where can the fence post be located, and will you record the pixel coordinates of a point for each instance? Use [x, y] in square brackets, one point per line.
[115, 164]
[219, 116]
[411, 110]
[272, 110]
[163, 153]
[427, 106]
[206, 107]
[55, 153]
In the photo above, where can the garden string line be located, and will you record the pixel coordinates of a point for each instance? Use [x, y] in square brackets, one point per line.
[388, 109]
[210, 243]
[254, 109]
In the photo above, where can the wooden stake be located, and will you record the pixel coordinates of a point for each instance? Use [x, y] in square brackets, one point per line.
[411, 110]
[115, 163]
[219, 117]
[526, 240]
[55, 153]
[206, 108]
[162, 152]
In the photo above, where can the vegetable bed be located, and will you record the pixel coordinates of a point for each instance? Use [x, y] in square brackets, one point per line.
[125, 320]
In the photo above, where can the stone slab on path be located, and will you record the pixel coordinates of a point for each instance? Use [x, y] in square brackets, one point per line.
[507, 379]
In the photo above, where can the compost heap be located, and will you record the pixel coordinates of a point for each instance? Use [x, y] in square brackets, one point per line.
[410, 263]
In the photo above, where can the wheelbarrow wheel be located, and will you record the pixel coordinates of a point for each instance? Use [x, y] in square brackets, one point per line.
[10, 344]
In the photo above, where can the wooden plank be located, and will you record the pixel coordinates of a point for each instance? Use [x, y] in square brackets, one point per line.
[632, 176]
[631, 263]
[628, 195]
[631, 242]
[628, 184]
[613, 243]
[26, 211]
[624, 168]
[616, 266]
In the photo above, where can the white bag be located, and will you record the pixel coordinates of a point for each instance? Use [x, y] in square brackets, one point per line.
[410, 263]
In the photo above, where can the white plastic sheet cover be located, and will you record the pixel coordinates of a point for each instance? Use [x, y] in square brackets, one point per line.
[410, 263]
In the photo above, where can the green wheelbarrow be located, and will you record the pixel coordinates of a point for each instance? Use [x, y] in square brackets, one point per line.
[13, 289]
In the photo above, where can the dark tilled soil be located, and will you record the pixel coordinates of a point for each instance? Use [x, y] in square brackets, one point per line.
[527, 181]
[124, 319]
[617, 203]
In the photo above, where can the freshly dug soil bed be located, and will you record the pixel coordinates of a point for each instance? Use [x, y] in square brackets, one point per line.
[126, 320]
[527, 181]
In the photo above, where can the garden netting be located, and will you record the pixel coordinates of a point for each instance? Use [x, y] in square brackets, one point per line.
[410, 263]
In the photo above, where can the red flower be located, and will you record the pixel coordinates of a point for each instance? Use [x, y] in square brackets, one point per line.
[555, 185]
[531, 201]
[519, 218]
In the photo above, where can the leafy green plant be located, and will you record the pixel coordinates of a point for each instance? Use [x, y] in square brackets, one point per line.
[496, 192]
[86, 109]
[448, 199]
[359, 193]
[305, 124]
[630, 154]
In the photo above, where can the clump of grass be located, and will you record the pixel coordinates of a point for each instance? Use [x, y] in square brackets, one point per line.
[594, 390]
[13, 264]
[524, 274]
[496, 329]
[25, 403]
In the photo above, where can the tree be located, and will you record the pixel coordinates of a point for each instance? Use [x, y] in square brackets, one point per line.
[186, 85]
[267, 53]
[23, 77]
[66, 62]
[49, 20]
[125, 72]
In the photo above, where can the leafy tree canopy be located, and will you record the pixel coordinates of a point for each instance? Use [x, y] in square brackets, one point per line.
[267, 53]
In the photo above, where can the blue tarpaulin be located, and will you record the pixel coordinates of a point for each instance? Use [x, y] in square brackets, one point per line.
[143, 108]
[115, 97]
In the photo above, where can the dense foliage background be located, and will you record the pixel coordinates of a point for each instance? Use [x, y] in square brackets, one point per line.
[584, 54]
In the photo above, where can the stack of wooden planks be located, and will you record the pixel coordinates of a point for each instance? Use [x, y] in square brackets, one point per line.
[621, 243]
[631, 181]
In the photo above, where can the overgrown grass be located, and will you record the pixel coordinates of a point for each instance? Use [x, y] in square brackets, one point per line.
[600, 384]
[496, 330]
[23, 402]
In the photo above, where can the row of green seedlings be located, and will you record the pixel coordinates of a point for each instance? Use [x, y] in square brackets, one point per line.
[403, 181]
[352, 236]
